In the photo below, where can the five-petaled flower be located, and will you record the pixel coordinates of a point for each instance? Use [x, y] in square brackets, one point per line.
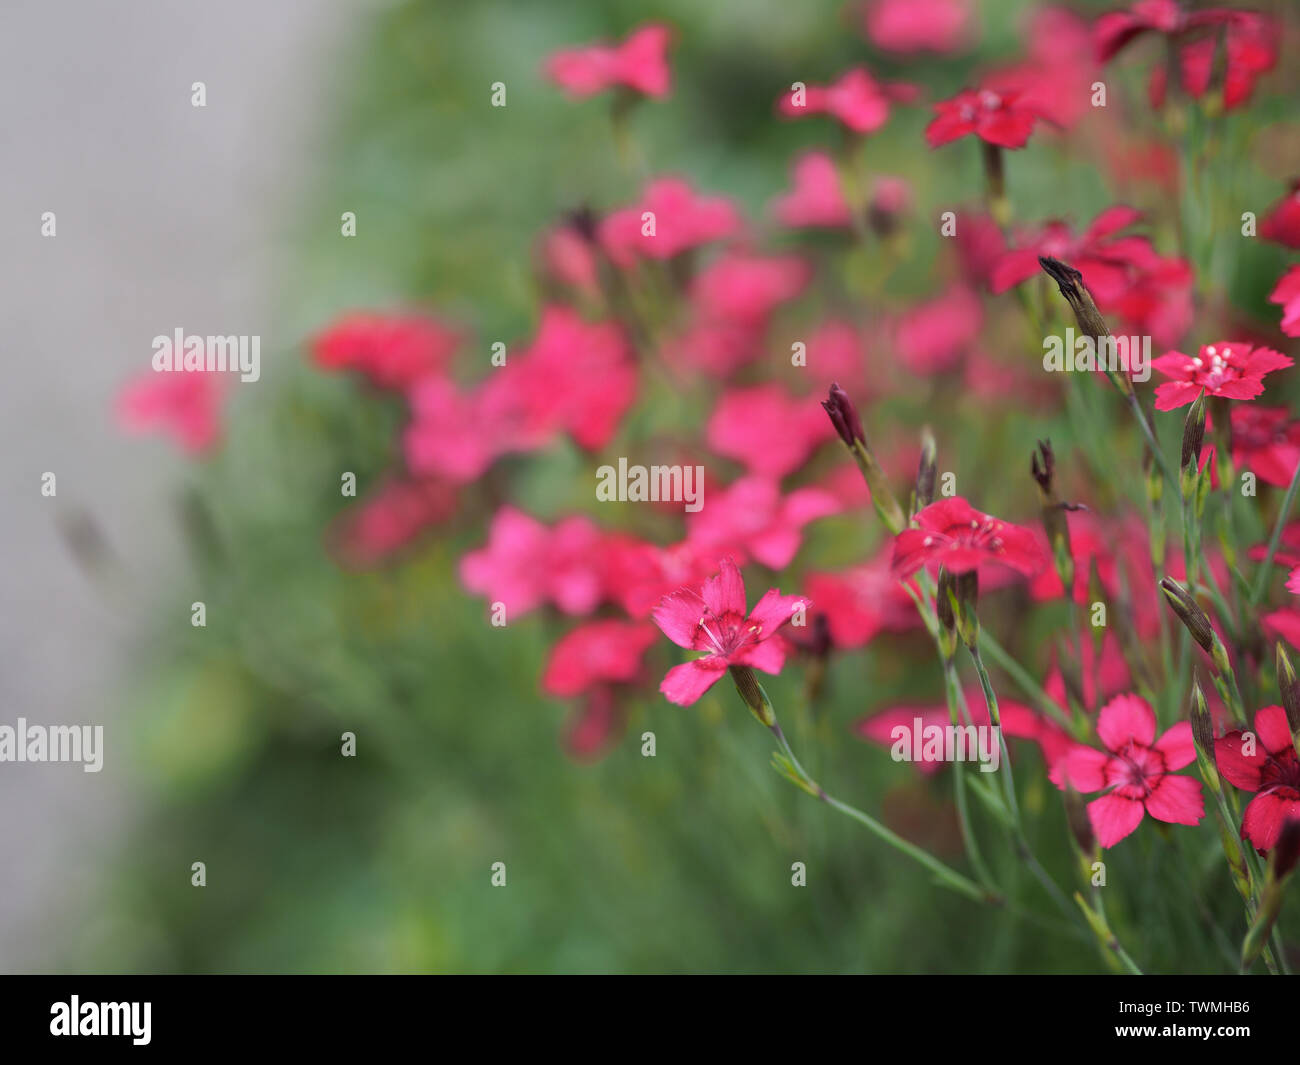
[1003, 116]
[1136, 771]
[1271, 770]
[1227, 369]
[715, 622]
[956, 535]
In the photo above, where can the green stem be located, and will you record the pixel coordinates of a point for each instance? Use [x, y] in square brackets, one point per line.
[1261, 582]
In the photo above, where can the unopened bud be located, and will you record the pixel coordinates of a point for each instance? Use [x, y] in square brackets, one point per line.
[1090, 321]
[927, 472]
[1289, 686]
[844, 416]
[1197, 622]
[752, 692]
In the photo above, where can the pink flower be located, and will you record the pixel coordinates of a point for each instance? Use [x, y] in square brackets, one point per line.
[747, 288]
[715, 622]
[1000, 116]
[186, 405]
[1088, 545]
[594, 725]
[669, 220]
[817, 196]
[751, 518]
[836, 352]
[389, 520]
[932, 336]
[639, 63]
[860, 102]
[1293, 581]
[1135, 770]
[525, 564]
[596, 652]
[1227, 369]
[448, 435]
[576, 377]
[955, 535]
[767, 429]
[1282, 223]
[392, 350]
[911, 26]
[1287, 294]
[1284, 623]
[1271, 770]
[717, 346]
[639, 574]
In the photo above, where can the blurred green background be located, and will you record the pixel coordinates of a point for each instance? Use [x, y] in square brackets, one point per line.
[681, 862]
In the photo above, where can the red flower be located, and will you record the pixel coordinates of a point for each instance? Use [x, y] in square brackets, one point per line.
[639, 574]
[715, 622]
[1282, 224]
[1002, 115]
[1088, 544]
[1287, 294]
[1227, 369]
[862, 601]
[1271, 770]
[1135, 770]
[1107, 262]
[185, 404]
[392, 350]
[911, 26]
[860, 102]
[1284, 622]
[640, 63]
[766, 428]
[594, 653]
[1249, 46]
[681, 221]
[817, 197]
[1293, 581]
[1266, 441]
[954, 534]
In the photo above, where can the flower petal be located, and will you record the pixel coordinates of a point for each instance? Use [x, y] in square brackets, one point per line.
[1176, 800]
[1113, 817]
[725, 593]
[684, 684]
[1177, 746]
[1126, 717]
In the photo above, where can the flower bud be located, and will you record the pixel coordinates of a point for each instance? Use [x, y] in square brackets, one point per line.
[1193, 439]
[1197, 622]
[844, 416]
[1042, 467]
[927, 472]
[1289, 686]
[1090, 321]
[752, 692]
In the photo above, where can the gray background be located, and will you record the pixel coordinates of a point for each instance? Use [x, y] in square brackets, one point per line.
[168, 215]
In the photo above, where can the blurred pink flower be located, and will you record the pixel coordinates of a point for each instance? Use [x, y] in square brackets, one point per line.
[955, 535]
[747, 288]
[525, 564]
[681, 221]
[639, 62]
[185, 405]
[389, 519]
[752, 519]
[766, 428]
[1002, 115]
[911, 26]
[596, 652]
[816, 197]
[933, 335]
[1287, 293]
[392, 350]
[857, 100]
[1282, 223]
